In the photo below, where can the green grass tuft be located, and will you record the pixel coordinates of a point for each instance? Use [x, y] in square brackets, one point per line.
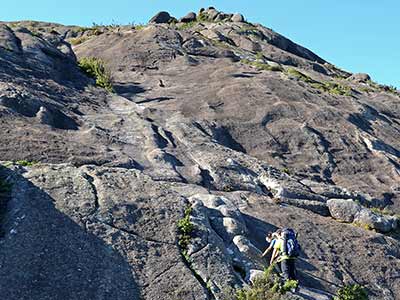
[351, 292]
[95, 68]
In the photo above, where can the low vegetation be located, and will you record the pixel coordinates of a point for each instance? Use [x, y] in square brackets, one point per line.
[185, 227]
[261, 65]
[270, 287]
[266, 287]
[95, 67]
[364, 226]
[139, 26]
[374, 86]
[25, 163]
[187, 25]
[330, 87]
[202, 17]
[352, 292]
[78, 40]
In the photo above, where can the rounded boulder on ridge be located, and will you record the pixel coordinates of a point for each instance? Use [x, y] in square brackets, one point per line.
[161, 18]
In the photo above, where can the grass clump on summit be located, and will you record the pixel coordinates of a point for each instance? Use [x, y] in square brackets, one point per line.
[95, 67]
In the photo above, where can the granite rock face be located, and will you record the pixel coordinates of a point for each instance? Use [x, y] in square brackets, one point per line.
[219, 122]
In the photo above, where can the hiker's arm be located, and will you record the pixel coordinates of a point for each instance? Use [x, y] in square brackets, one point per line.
[266, 251]
[274, 255]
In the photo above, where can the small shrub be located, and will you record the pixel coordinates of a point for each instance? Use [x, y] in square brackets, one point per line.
[139, 26]
[289, 285]
[366, 89]
[259, 55]
[367, 227]
[25, 163]
[202, 17]
[337, 89]
[352, 292]
[382, 211]
[228, 188]
[95, 68]
[266, 287]
[185, 227]
[185, 26]
[83, 29]
[389, 88]
[249, 29]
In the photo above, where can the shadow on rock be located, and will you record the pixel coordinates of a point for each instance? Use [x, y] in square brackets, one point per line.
[128, 90]
[44, 254]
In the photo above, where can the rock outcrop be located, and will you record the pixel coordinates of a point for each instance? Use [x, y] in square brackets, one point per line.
[215, 121]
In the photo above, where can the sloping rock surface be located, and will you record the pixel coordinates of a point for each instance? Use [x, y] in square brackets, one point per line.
[224, 119]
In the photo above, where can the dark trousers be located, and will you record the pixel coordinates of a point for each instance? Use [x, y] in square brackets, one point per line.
[288, 269]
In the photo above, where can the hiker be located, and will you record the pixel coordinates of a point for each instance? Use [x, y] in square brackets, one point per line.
[286, 249]
[272, 238]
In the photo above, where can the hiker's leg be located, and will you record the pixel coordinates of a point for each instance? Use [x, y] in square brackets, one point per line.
[277, 267]
[285, 269]
[292, 269]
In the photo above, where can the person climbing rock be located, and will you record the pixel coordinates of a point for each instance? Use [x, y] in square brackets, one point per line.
[272, 238]
[286, 250]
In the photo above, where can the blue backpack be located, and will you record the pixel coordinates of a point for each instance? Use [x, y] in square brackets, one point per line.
[291, 245]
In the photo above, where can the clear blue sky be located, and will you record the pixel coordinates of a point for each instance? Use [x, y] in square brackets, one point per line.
[356, 35]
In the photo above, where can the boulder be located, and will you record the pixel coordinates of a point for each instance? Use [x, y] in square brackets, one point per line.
[222, 17]
[237, 18]
[161, 18]
[343, 209]
[190, 17]
[249, 253]
[254, 274]
[370, 220]
[351, 212]
[212, 13]
[360, 77]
